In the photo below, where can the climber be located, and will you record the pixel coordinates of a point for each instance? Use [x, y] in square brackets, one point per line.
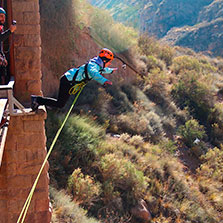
[91, 70]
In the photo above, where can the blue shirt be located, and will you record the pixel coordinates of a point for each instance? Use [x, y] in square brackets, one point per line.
[94, 70]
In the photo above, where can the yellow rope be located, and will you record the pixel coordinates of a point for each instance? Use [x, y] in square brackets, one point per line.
[25, 208]
[73, 90]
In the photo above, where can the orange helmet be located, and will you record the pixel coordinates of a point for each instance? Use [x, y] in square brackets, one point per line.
[106, 54]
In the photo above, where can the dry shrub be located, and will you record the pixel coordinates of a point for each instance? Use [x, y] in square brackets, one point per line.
[83, 188]
[122, 174]
[65, 210]
[183, 63]
[136, 141]
[150, 46]
[210, 176]
[148, 125]
[213, 164]
[125, 137]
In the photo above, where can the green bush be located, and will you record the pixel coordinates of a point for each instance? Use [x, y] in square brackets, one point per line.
[191, 131]
[119, 100]
[168, 145]
[75, 147]
[153, 63]
[166, 53]
[155, 90]
[183, 63]
[130, 91]
[216, 123]
[196, 96]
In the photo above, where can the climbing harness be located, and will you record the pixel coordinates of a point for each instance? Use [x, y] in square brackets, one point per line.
[25, 208]
[85, 80]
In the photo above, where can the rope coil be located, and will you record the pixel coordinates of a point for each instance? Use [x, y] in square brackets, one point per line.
[73, 90]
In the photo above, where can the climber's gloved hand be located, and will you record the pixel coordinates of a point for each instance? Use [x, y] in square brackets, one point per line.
[107, 83]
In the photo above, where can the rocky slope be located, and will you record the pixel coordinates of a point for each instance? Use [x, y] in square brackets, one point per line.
[159, 18]
[193, 24]
[206, 35]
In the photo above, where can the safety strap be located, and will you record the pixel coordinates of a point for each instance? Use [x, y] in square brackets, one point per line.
[85, 80]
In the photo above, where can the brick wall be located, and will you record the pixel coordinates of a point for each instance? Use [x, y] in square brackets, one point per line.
[23, 156]
[27, 48]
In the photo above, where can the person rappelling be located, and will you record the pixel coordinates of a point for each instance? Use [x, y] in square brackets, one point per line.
[92, 70]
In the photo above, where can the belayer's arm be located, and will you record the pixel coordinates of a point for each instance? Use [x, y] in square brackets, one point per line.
[4, 35]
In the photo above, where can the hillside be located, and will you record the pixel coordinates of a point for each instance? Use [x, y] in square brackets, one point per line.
[155, 17]
[193, 24]
[122, 11]
[149, 147]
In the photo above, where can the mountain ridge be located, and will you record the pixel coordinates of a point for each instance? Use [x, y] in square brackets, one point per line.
[176, 22]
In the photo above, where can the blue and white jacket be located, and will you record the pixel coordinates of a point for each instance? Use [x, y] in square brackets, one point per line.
[94, 69]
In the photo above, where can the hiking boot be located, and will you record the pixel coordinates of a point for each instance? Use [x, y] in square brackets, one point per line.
[34, 103]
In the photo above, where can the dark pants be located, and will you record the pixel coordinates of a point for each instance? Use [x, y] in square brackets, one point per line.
[62, 98]
[2, 74]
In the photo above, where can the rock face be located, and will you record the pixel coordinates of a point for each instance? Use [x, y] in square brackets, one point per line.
[161, 16]
[187, 23]
[205, 35]
[141, 211]
[157, 17]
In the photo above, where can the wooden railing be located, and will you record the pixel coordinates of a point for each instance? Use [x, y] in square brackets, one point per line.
[12, 101]
[8, 106]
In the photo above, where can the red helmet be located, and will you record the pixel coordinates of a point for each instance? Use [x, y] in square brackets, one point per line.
[106, 54]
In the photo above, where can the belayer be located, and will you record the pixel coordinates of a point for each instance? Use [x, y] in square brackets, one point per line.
[93, 69]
